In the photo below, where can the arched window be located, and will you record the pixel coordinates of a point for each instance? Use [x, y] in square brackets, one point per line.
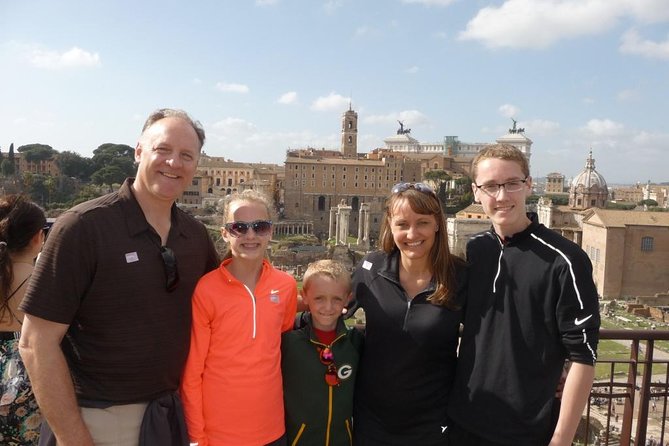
[355, 204]
[321, 203]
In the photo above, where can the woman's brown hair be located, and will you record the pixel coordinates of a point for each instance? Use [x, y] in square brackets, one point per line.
[424, 201]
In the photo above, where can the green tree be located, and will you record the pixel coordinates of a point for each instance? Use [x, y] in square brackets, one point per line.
[11, 167]
[35, 185]
[7, 168]
[437, 176]
[560, 200]
[50, 186]
[37, 152]
[114, 160]
[440, 178]
[110, 154]
[648, 202]
[72, 164]
[109, 175]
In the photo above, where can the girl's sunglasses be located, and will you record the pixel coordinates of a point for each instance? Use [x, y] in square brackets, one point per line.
[238, 228]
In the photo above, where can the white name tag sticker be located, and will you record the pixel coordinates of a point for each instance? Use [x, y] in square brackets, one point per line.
[131, 257]
[367, 265]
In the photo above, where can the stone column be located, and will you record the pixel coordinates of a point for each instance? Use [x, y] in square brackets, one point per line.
[343, 223]
[361, 216]
[331, 225]
[365, 238]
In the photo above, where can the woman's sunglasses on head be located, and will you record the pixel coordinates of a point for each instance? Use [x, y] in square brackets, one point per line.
[238, 228]
[420, 187]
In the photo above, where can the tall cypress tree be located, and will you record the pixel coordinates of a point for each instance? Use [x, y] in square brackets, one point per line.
[7, 166]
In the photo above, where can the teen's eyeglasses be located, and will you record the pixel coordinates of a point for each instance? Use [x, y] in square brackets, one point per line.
[327, 359]
[420, 187]
[238, 228]
[492, 189]
[171, 271]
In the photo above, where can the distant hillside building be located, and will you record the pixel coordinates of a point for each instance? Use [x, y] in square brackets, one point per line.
[637, 193]
[41, 167]
[217, 177]
[629, 251]
[629, 194]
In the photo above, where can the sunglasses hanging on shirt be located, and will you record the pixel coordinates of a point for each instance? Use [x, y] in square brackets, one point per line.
[327, 359]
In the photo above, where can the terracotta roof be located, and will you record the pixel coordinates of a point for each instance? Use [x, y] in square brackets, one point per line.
[474, 208]
[617, 219]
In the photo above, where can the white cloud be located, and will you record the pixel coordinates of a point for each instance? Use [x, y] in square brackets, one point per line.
[508, 110]
[234, 127]
[603, 128]
[628, 95]
[266, 2]
[440, 35]
[75, 57]
[648, 11]
[541, 23]
[408, 117]
[588, 101]
[232, 88]
[240, 140]
[197, 81]
[362, 31]
[332, 6]
[412, 70]
[632, 43]
[430, 2]
[288, 98]
[333, 101]
[539, 127]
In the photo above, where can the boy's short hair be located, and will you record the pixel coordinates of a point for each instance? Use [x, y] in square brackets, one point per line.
[329, 268]
[505, 152]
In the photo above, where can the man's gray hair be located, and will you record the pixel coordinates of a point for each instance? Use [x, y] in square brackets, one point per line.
[163, 113]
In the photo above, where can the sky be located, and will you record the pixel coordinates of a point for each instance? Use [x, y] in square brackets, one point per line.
[266, 76]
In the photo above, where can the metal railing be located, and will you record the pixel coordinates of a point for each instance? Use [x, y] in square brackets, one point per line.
[623, 407]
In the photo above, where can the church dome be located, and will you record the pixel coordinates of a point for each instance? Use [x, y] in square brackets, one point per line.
[589, 177]
[588, 188]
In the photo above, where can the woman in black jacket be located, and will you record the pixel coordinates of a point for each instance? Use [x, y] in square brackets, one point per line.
[411, 294]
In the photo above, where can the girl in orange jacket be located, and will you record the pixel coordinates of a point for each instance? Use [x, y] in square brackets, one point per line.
[232, 386]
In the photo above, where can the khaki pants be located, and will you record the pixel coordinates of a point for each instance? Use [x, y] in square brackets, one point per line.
[115, 425]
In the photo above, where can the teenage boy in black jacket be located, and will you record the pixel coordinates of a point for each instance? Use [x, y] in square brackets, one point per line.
[531, 304]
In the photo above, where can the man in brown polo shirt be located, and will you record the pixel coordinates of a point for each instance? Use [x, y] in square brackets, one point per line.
[108, 309]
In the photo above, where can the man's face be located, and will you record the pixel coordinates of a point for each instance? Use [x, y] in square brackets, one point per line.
[167, 154]
[505, 209]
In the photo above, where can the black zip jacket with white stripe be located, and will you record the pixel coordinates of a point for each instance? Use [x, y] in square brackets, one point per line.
[531, 304]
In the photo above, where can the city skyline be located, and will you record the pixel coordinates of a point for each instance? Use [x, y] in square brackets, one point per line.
[266, 76]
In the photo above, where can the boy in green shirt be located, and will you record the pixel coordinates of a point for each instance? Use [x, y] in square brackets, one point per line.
[319, 361]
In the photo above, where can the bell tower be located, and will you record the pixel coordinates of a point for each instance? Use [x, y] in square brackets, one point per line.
[349, 133]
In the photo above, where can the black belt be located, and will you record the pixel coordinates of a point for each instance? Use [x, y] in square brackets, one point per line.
[9, 335]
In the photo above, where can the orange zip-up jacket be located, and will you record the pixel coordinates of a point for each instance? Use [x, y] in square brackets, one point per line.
[231, 386]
